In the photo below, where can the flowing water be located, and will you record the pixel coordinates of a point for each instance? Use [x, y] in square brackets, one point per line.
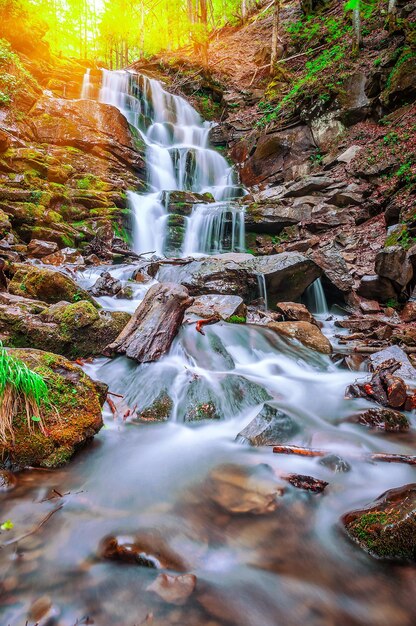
[178, 157]
[194, 488]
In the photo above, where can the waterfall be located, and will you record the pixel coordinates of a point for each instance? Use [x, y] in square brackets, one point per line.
[316, 299]
[215, 228]
[178, 157]
[261, 281]
[86, 90]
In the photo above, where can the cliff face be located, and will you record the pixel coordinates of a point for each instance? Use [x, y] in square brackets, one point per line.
[65, 163]
[326, 146]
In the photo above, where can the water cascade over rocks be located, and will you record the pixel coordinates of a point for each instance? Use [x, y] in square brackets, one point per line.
[178, 158]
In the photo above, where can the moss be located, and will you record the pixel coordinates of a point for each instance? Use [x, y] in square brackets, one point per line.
[387, 530]
[159, 410]
[236, 319]
[203, 411]
[72, 415]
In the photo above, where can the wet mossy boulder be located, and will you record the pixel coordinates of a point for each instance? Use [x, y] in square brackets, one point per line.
[387, 528]
[71, 414]
[47, 285]
[71, 329]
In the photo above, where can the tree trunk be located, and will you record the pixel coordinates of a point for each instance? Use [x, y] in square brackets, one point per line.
[154, 325]
[275, 35]
[356, 23]
[392, 14]
[243, 10]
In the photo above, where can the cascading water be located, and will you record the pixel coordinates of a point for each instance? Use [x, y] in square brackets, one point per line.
[178, 157]
[315, 297]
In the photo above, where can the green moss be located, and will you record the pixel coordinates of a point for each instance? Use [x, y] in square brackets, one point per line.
[236, 319]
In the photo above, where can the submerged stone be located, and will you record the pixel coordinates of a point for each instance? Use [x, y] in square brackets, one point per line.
[270, 427]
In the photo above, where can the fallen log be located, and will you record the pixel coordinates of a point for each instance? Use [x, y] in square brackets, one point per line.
[154, 325]
[381, 457]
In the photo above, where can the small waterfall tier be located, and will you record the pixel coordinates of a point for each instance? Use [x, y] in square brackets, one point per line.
[178, 158]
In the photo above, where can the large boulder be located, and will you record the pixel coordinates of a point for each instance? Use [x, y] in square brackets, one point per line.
[47, 285]
[275, 156]
[308, 334]
[392, 263]
[84, 124]
[286, 275]
[71, 415]
[387, 528]
[227, 308]
[406, 369]
[73, 330]
[271, 217]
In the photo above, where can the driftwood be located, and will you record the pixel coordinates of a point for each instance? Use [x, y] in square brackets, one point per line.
[206, 322]
[383, 387]
[154, 325]
[382, 457]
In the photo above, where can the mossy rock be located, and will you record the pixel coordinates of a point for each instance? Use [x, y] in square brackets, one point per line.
[387, 529]
[47, 285]
[71, 414]
[159, 410]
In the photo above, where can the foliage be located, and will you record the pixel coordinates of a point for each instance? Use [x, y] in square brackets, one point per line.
[20, 388]
[14, 78]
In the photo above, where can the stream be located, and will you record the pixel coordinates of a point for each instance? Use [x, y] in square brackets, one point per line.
[196, 489]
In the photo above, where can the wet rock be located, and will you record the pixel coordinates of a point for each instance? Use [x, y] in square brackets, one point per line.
[335, 463]
[239, 489]
[8, 481]
[65, 256]
[38, 249]
[182, 202]
[47, 285]
[106, 285]
[308, 334]
[408, 313]
[270, 427]
[148, 548]
[384, 419]
[393, 352]
[40, 609]
[307, 483]
[287, 275]
[71, 417]
[375, 287]
[387, 528]
[74, 330]
[392, 263]
[173, 589]
[125, 550]
[225, 307]
[206, 401]
[154, 325]
[294, 311]
[159, 410]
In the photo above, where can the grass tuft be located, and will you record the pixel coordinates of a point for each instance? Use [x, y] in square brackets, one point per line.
[20, 389]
